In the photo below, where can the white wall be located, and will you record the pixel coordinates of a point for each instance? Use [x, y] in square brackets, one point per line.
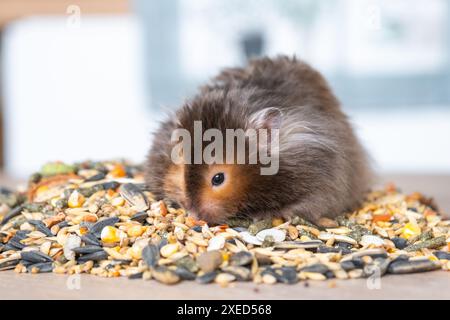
[410, 139]
[73, 93]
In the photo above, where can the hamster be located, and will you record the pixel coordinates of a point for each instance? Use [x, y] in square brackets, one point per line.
[323, 169]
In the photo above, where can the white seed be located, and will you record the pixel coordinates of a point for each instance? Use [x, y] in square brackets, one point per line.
[72, 242]
[224, 278]
[269, 279]
[368, 239]
[278, 235]
[216, 243]
[247, 237]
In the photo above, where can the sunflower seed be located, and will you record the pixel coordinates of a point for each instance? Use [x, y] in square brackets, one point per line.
[8, 263]
[185, 274]
[134, 196]
[90, 239]
[241, 258]
[207, 277]
[442, 255]
[35, 256]
[97, 228]
[12, 214]
[40, 267]
[412, 266]
[140, 216]
[150, 255]
[95, 256]
[87, 249]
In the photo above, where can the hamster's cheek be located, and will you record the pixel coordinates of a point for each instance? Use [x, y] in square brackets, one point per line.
[174, 184]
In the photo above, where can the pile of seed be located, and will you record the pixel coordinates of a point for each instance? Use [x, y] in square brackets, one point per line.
[98, 218]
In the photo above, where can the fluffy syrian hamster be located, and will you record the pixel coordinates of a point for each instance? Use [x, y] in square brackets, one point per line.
[323, 169]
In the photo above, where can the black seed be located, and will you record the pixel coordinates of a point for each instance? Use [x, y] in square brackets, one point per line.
[110, 185]
[207, 277]
[11, 214]
[95, 256]
[400, 243]
[97, 177]
[287, 275]
[9, 264]
[8, 247]
[137, 275]
[197, 228]
[378, 267]
[150, 255]
[442, 255]
[14, 242]
[373, 253]
[42, 267]
[412, 266]
[140, 216]
[40, 226]
[358, 262]
[35, 256]
[86, 224]
[185, 274]
[28, 263]
[90, 239]
[97, 228]
[87, 249]
[20, 235]
[348, 265]
[317, 268]
[241, 258]
[325, 249]
[63, 224]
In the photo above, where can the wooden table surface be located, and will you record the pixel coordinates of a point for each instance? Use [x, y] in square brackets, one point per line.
[430, 285]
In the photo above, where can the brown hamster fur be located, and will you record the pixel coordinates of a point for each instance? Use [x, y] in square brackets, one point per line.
[323, 169]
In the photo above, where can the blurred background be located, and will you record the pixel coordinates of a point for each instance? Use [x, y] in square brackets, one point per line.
[89, 79]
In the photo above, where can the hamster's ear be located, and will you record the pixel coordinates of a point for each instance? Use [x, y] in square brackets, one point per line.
[268, 118]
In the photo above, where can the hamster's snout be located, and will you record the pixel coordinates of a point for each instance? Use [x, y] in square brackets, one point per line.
[209, 212]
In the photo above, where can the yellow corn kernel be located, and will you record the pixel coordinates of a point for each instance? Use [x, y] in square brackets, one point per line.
[110, 234]
[410, 230]
[225, 256]
[76, 200]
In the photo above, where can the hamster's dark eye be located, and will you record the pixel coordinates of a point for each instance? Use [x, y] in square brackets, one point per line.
[218, 179]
